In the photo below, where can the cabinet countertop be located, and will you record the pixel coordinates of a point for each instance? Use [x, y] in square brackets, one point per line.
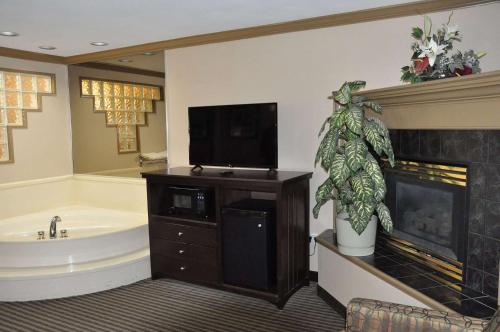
[236, 175]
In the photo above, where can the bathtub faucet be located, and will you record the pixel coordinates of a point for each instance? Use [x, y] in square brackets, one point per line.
[53, 227]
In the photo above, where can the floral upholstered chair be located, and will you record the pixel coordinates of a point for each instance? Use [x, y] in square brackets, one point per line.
[365, 315]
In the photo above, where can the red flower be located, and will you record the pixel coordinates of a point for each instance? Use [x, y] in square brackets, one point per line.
[421, 64]
[465, 71]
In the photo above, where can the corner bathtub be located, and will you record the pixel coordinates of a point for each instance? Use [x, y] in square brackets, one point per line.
[104, 249]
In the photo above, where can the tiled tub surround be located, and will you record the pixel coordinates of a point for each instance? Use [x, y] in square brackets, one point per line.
[480, 149]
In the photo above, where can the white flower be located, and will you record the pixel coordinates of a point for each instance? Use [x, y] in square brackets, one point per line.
[431, 51]
[450, 31]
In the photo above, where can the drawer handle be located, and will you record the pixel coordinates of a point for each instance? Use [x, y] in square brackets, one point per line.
[180, 234]
[183, 268]
[181, 252]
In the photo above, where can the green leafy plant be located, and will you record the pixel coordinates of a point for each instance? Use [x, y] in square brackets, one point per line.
[355, 179]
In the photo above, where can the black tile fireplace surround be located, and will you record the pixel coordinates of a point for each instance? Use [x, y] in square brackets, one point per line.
[480, 150]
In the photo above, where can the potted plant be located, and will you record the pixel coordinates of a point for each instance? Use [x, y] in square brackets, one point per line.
[355, 179]
[431, 59]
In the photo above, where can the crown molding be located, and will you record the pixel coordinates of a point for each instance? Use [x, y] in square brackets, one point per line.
[379, 13]
[467, 102]
[27, 55]
[123, 69]
[367, 15]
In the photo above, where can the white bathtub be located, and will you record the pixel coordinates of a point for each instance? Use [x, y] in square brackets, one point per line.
[104, 249]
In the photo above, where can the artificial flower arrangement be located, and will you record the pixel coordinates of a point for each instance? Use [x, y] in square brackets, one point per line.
[430, 59]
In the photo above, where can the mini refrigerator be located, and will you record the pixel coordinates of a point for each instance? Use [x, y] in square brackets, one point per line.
[249, 244]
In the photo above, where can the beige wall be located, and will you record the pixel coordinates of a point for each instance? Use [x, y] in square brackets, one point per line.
[94, 144]
[299, 70]
[43, 149]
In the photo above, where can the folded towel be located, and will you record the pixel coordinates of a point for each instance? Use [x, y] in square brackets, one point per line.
[154, 155]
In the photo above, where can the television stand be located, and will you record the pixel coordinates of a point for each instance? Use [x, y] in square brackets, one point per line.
[191, 249]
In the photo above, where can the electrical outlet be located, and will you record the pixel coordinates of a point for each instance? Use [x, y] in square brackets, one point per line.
[312, 244]
[312, 237]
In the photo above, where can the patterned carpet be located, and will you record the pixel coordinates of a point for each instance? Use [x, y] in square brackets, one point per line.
[167, 305]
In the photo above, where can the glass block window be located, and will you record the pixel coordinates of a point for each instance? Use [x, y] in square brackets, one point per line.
[125, 106]
[19, 92]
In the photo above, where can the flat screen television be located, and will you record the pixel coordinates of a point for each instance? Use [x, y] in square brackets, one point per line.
[234, 135]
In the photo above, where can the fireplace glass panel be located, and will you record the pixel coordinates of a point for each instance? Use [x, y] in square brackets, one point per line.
[425, 217]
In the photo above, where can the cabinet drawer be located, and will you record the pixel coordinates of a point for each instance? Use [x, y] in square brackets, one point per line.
[179, 250]
[183, 269]
[161, 228]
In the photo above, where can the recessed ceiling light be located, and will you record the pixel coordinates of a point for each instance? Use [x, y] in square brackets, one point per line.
[98, 43]
[148, 53]
[125, 60]
[9, 33]
[47, 47]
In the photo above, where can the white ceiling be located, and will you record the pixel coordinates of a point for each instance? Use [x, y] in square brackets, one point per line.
[149, 62]
[70, 25]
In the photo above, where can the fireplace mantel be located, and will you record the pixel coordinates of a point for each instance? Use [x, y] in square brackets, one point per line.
[468, 102]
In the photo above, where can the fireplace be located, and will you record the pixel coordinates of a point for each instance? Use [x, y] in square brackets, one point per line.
[450, 122]
[478, 153]
[429, 207]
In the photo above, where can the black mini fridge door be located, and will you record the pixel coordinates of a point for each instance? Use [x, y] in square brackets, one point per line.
[248, 237]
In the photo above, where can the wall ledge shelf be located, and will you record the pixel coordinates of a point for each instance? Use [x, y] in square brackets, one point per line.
[389, 276]
[328, 241]
[467, 102]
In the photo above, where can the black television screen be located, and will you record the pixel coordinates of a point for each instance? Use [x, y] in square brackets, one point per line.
[234, 135]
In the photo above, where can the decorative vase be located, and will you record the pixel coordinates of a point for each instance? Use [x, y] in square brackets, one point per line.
[351, 243]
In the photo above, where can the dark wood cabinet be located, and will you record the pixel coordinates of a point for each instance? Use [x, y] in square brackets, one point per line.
[180, 250]
[184, 269]
[190, 248]
[171, 229]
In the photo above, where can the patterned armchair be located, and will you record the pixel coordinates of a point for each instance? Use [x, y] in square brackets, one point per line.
[365, 315]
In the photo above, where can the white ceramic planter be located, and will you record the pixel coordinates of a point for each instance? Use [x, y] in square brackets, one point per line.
[352, 244]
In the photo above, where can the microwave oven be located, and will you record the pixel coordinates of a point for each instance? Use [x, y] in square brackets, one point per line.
[190, 201]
